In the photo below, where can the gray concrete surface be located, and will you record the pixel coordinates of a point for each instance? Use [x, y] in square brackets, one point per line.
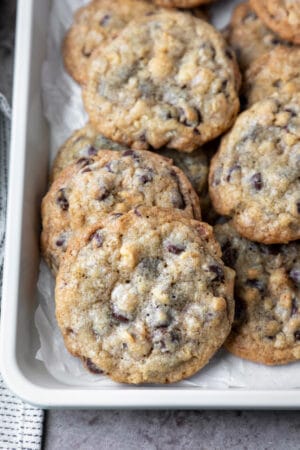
[153, 430]
[172, 430]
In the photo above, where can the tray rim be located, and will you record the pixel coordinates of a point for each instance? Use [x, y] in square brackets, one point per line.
[70, 397]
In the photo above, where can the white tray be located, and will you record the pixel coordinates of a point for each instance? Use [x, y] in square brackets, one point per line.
[26, 376]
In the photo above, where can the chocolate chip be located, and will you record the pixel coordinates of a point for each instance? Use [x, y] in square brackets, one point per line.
[61, 200]
[137, 213]
[291, 111]
[161, 344]
[60, 242]
[199, 116]
[128, 153]
[295, 274]
[85, 52]
[232, 169]
[92, 366]
[297, 335]
[175, 249]
[83, 162]
[97, 238]
[218, 271]
[256, 284]
[224, 85]
[104, 20]
[277, 83]
[104, 195]
[120, 317]
[294, 309]
[298, 207]
[108, 167]
[230, 254]
[143, 137]
[175, 336]
[275, 41]
[92, 151]
[146, 178]
[257, 181]
[69, 330]
[131, 153]
[86, 170]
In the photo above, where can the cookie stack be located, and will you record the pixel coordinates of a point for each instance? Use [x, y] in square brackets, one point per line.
[142, 293]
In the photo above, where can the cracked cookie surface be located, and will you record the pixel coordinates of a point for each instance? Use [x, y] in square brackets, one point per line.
[110, 182]
[145, 298]
[95, 25]
[266, 328]
[166, 81]
[282, 16]
[255, 176]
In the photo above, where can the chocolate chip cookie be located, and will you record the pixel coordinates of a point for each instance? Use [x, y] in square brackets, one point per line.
[248, 36]
[110, 182]
[266, 328]
[145, 298]
[255, 176]
[95, 25]
[278, 70]
[167, 80]
[282, 16]
[87, 142]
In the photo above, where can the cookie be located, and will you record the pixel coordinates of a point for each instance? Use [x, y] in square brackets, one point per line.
[182, 3]
[168, 80]
[110, 182]
[83, 143]
[87, 142]
[255, 176]
[266, 328]
[282, 16]
[248, 36]
[278, 70]
[145, 298]
[95, 25]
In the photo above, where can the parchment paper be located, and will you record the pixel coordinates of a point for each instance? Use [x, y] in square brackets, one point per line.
[64, 110]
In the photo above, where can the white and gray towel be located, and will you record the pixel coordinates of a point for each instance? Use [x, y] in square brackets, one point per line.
[21, 425]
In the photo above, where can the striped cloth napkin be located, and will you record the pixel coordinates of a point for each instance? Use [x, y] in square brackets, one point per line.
[21, 425]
